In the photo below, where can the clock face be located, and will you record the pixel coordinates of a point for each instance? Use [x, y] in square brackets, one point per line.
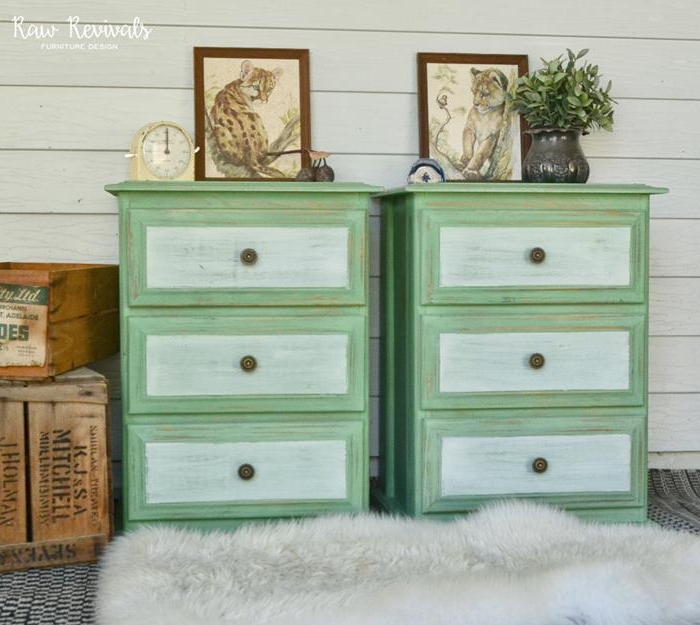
[166, 151]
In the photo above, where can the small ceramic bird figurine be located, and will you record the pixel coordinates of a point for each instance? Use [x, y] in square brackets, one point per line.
[319, 171]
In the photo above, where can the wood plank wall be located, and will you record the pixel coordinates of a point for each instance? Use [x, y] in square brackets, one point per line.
[67, 118]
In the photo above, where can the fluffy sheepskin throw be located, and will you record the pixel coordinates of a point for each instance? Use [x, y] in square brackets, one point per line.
[513, 563]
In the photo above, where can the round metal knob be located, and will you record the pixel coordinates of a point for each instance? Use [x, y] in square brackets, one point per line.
[248, 363]
[537, 255]
[246, 471]
[539, 465]
[537, 361]
[249, 256]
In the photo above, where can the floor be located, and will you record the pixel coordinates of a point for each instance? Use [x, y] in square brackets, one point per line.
[674, 499]
[65, 595]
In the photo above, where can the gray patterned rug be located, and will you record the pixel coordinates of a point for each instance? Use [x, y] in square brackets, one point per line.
[65, 595]
[674, 499]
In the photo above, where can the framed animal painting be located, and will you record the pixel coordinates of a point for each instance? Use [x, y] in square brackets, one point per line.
[251, 113]
[464, 120]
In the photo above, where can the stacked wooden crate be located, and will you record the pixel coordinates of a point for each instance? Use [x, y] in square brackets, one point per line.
[55, 482]
[55, 486]
[55, 317]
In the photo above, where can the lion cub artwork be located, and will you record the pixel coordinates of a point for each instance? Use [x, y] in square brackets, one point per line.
[466, 122]
[485, 120]
[240, 137]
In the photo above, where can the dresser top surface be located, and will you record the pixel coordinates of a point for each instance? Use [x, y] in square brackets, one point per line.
[525, 188]
[271, 186]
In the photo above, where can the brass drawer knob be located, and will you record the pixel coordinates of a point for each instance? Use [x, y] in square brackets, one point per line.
[537, 361]
[249, 256]
[246, 471]
[537, 255]
[248, 363]
[539, 465]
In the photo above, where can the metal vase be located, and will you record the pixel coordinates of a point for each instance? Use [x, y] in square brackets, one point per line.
[555, 156]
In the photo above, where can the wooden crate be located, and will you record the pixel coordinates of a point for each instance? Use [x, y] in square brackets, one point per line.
[56, 317]
[13, 489]
[55, 475]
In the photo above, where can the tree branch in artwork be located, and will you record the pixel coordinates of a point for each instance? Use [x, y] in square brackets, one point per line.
[452, 168]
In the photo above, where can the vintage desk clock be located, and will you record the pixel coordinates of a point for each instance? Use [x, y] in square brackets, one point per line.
[162, 150]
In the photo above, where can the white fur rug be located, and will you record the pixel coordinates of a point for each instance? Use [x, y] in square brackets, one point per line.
[513, 563]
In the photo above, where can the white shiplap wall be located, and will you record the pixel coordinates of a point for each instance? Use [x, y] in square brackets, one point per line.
[67, 117]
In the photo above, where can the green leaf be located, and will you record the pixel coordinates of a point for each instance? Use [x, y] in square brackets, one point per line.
[563, 93]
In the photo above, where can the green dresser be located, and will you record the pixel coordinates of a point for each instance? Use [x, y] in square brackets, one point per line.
[244, 350]
[514, 347]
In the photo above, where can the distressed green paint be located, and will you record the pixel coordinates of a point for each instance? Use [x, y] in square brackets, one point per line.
[549, 194]
[416, 309]
[140, 328]
[169, 311]
[193, 430]
[142, 295]
[561, 425]
[508, 218]
[555, 319]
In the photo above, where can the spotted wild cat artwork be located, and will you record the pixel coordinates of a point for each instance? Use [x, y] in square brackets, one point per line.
[237, 125]
[238, 128]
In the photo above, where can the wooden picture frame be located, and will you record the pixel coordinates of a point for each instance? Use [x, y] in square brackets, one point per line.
[464, 122]
[251, 104]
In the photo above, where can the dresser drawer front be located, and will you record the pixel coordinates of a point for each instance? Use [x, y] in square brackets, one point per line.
[180, 257]
[499, 257]
[534, 257]
[222, 470]
[246, 364]
[246, 257]
[533, 360]
[549, 460]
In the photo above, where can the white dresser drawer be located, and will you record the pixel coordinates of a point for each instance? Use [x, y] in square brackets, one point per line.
[485, 362]
[267, 257]
[487, 459]
[247, 363]
[247, 257]
[196, 469]
[565, 359]
[181, 472]
[536, 257]
[535, 464]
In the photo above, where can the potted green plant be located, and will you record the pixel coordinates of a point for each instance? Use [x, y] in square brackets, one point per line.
[559, 102]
